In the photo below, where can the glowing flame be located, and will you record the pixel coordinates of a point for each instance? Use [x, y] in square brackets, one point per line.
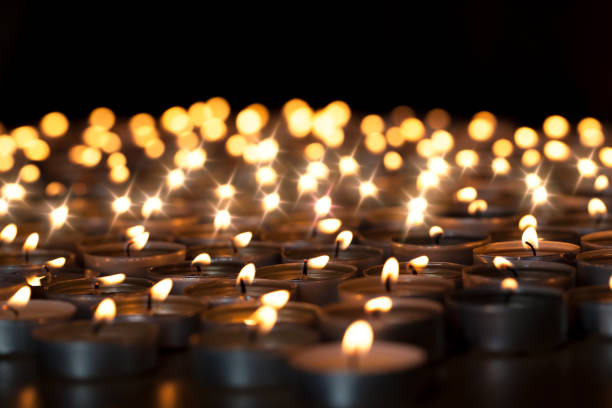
[276, 299]
[223, 220]
[150, 206]
[509, 284]
[34, 280]
[368, 189]
[140, 241]
[344, 239]
[105, 312]
[530, 236]
[358, 338]
[378, 304]
[31, 242]
[502, 263]
[57, 262]
[59, 216]
[175, 179]
[539, 196]
[466, 194]
[610, 283]
[532, 181]
[390, 270]
[243, 239]
[8, 233]
[435, 230]
[247, 274]
[527, 221]
[500, 165]
[122, 204]
[329, 225]
[134, 231]
[20, 298]
[161, 290]
[13, 191]
[202, 259]
[597, 208]
[307, 183]
[427, 179]
[414, 218]
[419, 262]
[601, 182]
[111, 279]
[318, 262]
[323, 206]
[264, 318]
[271, 201]
[225, 191]
[477, 206]
[587, 168]
[418, 204]
[348, 165]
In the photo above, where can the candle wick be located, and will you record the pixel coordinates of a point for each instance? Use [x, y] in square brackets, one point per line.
[96, 287]
[507, 297]
[96, 327]
[305, 268]
[599, 219]
[353, 361]
[337, 249]
[234, 248]
[149, 302]
[198, 268]
[533, 251]
[412, 268]
[11, 309]
[388, 284]
[251, 335]
[478, 214]
[127, 247]
[26, 256]
[437, 238]
[313, 233]
[242, 287]
[513, 271]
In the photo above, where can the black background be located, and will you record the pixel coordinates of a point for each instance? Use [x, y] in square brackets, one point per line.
[524, 60]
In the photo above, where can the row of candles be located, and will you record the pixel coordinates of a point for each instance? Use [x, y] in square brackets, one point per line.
[253, 287]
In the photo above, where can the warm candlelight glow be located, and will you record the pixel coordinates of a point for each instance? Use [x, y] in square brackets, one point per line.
[276, 299]
[597, 208]
[466, 194]
[243, 239]
[438, 166]
[264, 318]
[467, 158]
[480, 129]
[427, 179]
[540, 195]
[34, 280]
[378, 304]
[122, 204]
[161, 290]
[530, 238]
[150, 206]
[587, 168]
[223, 220]
[271, 201]
[105, 312]
[139, 241]
[348, 165]
[477, 206]
[414, 218]
[531, 158]
[307, 184]
[59, 216]
[20, 298]
[225, 191]
[502, 263]
[56, 263]
[417, 204]
[344, 239]
[500, 165]
[525, 137]
[202, 259]
[266, 176]
[318, 262]
[419, 262]
[601, 182]
[175, 179]
[509, 284]
[323, 206]
[13, 191]
[31, 242]
[610, 283]
[502, 148]
[8, 233]
[247, 274]
[435, 230]
[390, 271]
[532, 181]
[528, 221]
[329, 225]
[367, 189]
[134, 231]
[111, 279]
[556, 150]
[358, 338]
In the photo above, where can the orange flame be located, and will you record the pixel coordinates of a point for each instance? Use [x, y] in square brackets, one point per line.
[264, 318]
[390, 270]
[106, 311]
[509, 284]
[243, 239]
[161, 290]
[378, 304]
[247, 274]
[20, 298]
[31, 242]
[344, 239]
[111, 279]
[530, 236]
[358, 338]
[8, 233]
[276, 299]
[318, 262]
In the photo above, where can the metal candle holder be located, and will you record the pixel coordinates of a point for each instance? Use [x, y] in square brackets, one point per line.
[258, 253]
[359, 256]
[536, 273]
[443, 270]
[293, 313]
[185, 274]
[407, 286]
[217, 292]
[549, 251]
[594, 267]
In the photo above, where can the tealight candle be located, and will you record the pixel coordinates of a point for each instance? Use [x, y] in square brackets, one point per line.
[545, 233]
[359, 256]
[596, 240]
[482, 218]
[591, 309]
[19, 316]
[258, 253]
[594, 267]
[30, 255]
[86, 350]
[358, 371]
[444, 270]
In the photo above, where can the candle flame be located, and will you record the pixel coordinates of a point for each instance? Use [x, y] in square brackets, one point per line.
[466, 194]
[271, 201]
[140, 241]
[597, 208]
[59, 216]
[601, 182]
[202, 259]
[56, 263]
[500, 165]
[8, 233]
[161, 290]
[323, 206]
[587, 168]
[419, 262]
[34, 280]
[150, 206]
[367, 189]
[540, 195]
[502, 263]
[223, 219]
[112, 279]
[122, 204]
[418, 204]
[348, 166]
[226, 191]
[427, 179]
[175, 179]
[477, 206]
[243, 239]
[329, 225]
[532, 180]
[344, 239]
[276, 299]
[264, 318]
[13, 191]
[378, 304]
[358, 338]
[610, 283]
[307, 183]
[530, 236]
[20, 298]
[509, 284]
[134, 231]
[247, 274]
[318, 262]
[106, 311]
[528, 221]
[31, 242]
[435, 230]
[390, 270]
[414, 218]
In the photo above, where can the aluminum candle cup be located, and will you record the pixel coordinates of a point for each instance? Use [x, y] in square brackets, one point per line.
[319, 286]
[493, 219]
[159, 223]
[597, 240]
[547, 233]
[582, 223]
[549, 251]
[177, 317]
[259, 253]
[380, 238]
[34, 257]
[217, 292]
[453, 246]
[83, 294]
[88, 242]
[185, 274]
[16, 330]
[203, 234]
[493, 319]
[47, 276]
[533, 273]
[359, 256]
[72, 350]
[293, 313]
[388, 372]
[231, 357]
[414, 321]
[444, 270]
[591, 310]
[594, 267]
[407, 286]
[111, 258]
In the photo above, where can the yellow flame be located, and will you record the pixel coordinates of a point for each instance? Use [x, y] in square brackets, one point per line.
[532, 181]
[378, 304]
[34, 280]
[59, 216]
[414, 218]
[530, 236]
[31, 242]
[140, 241]
[134, 231]
[247, 274]
[13, 191]
[610, 283]
[329, 225]
[540, 195]
[509, 284]
[223, 220]
[202, 259]
[418, 204]
[466, 194]
[307, 183]
[477, 206]
[264, 318]
[243, 239]
[20, 298]
[111, 279]
[276, 299]
[150, 206]
[122, 204]
[318, 262]
[467, 158]
[175, 179]
[419, 262]
[596, 207]
[528, 221]
[344, 239]
[435, 230]
[367, 189]
[438, 166]
[390, 270]
[225, 191]
[587, 168]
[348, 165]
[500, 165]
[601, 182]
[8, 233]
[427, 179]
[502, 263]
[266, 176]
[106, 311]
[271, 201]
[57, 262]
[161, 290]
[358, 338]
[323, 206]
